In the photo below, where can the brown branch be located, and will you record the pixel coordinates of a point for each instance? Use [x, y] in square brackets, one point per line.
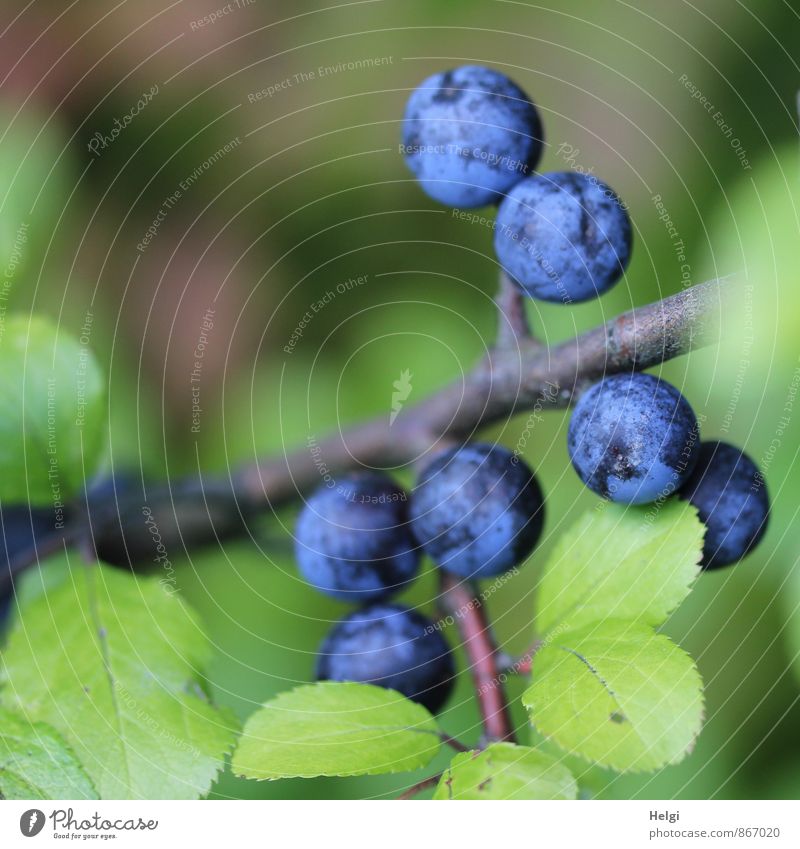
[511, 379]
[518, 374]
[458, 600]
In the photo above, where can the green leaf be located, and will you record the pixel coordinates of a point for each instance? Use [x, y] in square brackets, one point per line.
[506, 771]
[617, 694]
[634, 563]
[336, 729]
[36, 763]
[52, 397]
[112, 662]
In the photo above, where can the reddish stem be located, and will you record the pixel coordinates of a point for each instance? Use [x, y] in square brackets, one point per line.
[523, 666]
[420, 786]
[459, 601]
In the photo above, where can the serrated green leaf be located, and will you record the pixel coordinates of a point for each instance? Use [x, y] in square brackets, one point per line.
[52, 397]
[635, 563]
[336, 729]
[113, 663]
[36, 763]
[617, 694]
[506, 771]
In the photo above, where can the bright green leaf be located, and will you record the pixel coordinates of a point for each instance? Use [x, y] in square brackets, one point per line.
[36, 763]
[506, 771]
[113, 663]
[634, 563]
[52, 397]
[617, 694]
[336, 729]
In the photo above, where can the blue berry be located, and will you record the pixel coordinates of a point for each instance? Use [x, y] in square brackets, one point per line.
[390, 646]
[469, 135]
[121, 543]
[23, 528]
[731, 498]
[352, 539]
[633, 438]
[5, 606]
[477, 510]
[563, 237]
[103, 491]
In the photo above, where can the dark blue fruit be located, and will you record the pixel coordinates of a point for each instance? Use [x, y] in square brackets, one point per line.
[633, 438]
[477, 510]
[563, 237]
[5, 606]
[22, 528]
[731, 498]
[107, 490]
[393, 647]
[469, 135]
[352, 540]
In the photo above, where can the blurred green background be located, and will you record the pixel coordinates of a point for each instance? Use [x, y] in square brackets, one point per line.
[268, 169]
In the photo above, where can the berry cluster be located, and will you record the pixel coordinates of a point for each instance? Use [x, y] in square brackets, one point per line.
[476, 511]
[634, 439]
[472, 137]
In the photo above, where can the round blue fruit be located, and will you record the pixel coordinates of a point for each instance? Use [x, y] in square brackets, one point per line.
[477, 510]
[731, 498]
[469, 135]
[563, 237]
[390, 646]
[22, 529]
[353, 541]
[633, 438]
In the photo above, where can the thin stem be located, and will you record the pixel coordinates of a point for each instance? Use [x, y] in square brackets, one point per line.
[459, 601]
[513, 329]
[420, 786]
[453, 743]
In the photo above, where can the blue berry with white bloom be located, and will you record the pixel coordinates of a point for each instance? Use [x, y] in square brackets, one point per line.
[353, 541]
[633, 438]
[563, 237]
[731, 498]
[477, 510]
[469, 135]
[390, 646]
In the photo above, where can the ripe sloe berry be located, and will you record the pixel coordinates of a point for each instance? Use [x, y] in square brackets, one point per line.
[477, 510]
[563, 237]
[390, 646]
[731, 498]
[22, 528]
[352, 540]
[469, 135]
[633, 438]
